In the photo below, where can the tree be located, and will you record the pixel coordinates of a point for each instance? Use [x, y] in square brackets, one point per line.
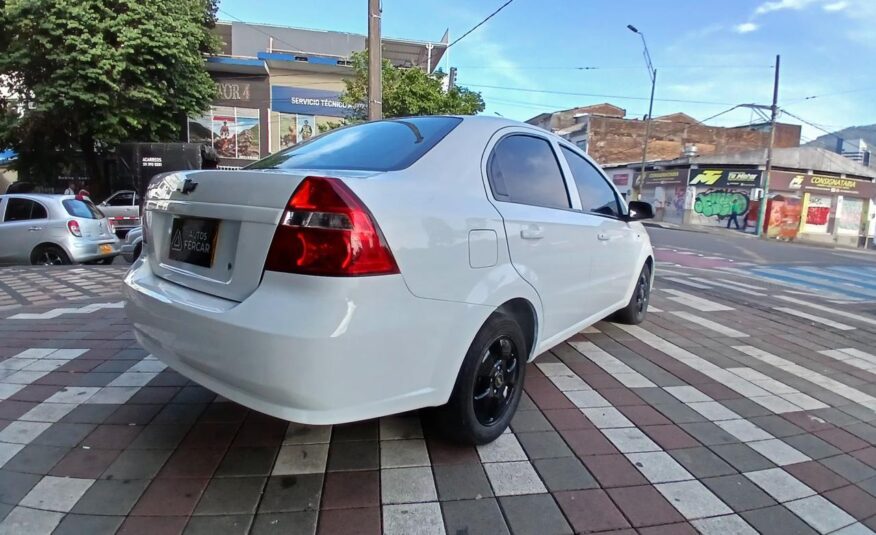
[408, 91]
[89, 74]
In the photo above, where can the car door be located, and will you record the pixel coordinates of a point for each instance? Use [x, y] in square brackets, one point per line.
[615, 259]
[547, 238]
[22, 229]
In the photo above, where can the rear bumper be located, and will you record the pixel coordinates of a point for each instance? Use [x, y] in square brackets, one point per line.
[314, 350]
[85, 250]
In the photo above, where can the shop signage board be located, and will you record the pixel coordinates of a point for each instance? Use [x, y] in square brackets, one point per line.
[665, 177]
[723, 178]
[786, 181]
[305, 101]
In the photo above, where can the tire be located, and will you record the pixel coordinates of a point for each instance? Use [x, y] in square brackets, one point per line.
[636, 310]
[49, 255]
[495, 366]
[137, 251]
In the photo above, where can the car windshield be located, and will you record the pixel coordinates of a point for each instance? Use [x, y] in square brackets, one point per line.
[376, 146]
[80, 208]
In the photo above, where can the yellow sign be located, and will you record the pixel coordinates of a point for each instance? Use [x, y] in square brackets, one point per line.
[708, 177]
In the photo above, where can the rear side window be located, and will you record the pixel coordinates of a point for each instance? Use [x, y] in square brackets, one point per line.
[596, 195]
[121, 199]
[524, 169]
[24, 209]
[377, 146]
[83, 209]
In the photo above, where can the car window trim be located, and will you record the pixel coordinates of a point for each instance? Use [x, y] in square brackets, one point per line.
[41, 205]
[622, 207]
[535, 135]
[28, 218]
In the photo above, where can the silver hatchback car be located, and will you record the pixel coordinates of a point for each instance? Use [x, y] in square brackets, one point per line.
[54, 229]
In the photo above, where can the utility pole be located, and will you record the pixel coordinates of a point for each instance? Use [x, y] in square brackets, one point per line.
[652, 74]
[774, 111]
[375, 63]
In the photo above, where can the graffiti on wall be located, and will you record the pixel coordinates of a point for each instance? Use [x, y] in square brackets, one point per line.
[721, 203]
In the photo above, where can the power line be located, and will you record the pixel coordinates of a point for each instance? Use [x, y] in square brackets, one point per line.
[598, 95]
[612, 67]
[811, 97]
[813, 125]
[481, 23]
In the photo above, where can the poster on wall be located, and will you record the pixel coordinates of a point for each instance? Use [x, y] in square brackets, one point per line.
[233, 132]
[850, 216]
[287, 130]
[817, 213]
[306, 127]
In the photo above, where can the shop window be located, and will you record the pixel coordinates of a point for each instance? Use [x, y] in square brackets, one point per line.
[233, 132]
[288, 129]
[818, 213]
[851, 214]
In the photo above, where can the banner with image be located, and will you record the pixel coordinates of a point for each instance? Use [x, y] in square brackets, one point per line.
[307, 128]
[233, 132]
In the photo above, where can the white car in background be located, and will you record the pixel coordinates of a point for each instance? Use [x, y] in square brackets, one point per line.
[123, 209]
[385, 267]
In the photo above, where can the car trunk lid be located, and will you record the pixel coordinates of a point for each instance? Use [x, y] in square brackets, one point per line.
[211, 230]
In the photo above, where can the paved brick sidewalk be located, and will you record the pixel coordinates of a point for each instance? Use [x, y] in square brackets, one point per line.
[26, 285]
[731, 410]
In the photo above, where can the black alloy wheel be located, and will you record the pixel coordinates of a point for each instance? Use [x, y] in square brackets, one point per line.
[497, 378]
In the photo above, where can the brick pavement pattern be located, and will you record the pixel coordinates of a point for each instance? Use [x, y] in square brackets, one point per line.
[737, 407]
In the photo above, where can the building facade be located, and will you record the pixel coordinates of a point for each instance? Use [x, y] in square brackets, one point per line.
[612, 139]
[814, 194]
[277, 86]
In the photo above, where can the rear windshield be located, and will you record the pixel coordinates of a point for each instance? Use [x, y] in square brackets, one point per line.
[83, 209]
[387, 145]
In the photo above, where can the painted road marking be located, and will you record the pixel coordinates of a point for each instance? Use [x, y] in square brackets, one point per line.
[813, 283]
[866, 363]
[843, 313]
[611, 364]
[813, 317]
[698, 303]
[776, 402]
[55, 312]
[688, 283]
[709, 324]
[832, 385]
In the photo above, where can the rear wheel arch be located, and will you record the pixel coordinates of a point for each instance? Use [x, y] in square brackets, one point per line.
[44, 245]
[523, 312]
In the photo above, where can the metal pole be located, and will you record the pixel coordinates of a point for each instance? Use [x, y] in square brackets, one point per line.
[638, 183]
[375, 70]
[774, 110]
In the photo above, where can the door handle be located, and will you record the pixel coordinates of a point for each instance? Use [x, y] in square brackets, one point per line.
[602, 236]
[532, 233]
[34, 228]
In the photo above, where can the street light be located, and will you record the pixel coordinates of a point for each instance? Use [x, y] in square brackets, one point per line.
[652, 73]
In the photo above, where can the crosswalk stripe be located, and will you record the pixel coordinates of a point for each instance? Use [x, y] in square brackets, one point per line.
[813, 317]
[688, 283]
[709, 324]
[854, 281]
[865, 362]
[814, 283]
[821, 380]
[742, 285]
[698, 303]
[843, 313]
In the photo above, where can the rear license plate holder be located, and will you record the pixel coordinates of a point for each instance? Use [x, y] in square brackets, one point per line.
[193, 240]
[105, 248]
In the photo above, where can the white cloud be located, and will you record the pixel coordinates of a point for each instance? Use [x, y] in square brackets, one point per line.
[779, 5]
[745, 27]
[835, 6]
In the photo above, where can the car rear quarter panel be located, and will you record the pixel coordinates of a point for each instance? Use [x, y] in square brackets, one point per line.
[426, 213]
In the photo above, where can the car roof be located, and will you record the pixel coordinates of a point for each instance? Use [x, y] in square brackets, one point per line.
[40, 196]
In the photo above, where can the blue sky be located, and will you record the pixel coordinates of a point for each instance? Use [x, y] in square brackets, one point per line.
[716, 53]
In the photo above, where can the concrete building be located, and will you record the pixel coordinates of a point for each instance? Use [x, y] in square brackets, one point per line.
[855, 149]
[277, 86]
[611, 138]
[814, 194]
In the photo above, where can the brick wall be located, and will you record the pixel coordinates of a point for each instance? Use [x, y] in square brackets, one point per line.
[614, 140]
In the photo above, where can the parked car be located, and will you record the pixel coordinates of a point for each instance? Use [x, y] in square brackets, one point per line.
[386, 267]
[133, 244]
[54, 229]
[123, 209]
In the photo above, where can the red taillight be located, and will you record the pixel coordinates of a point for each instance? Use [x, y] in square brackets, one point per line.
[111, 225]
[73, 227]
[326, 230]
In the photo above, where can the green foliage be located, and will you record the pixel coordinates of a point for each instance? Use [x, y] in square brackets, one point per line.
[408, 92]
[89, 74]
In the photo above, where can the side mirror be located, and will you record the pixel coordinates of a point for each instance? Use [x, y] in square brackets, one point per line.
[640, 210]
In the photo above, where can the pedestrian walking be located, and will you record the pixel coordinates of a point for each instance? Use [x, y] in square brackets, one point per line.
[71, 189]
[734, 214]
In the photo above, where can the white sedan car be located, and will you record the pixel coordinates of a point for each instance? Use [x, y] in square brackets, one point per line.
[385, 267]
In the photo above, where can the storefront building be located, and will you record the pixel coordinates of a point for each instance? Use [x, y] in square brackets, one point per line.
[278, 86]
[814, 195]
